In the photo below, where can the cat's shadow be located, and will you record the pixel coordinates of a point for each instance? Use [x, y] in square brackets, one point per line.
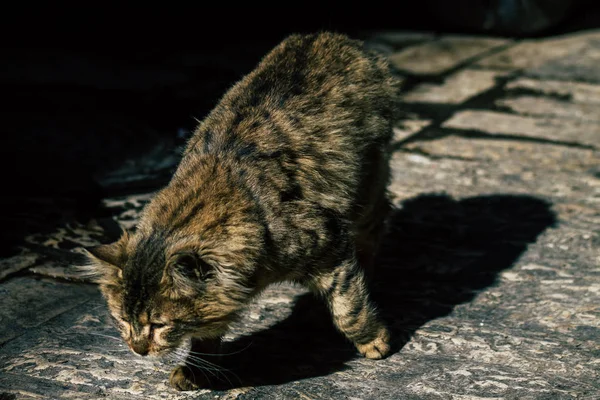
[439, 253]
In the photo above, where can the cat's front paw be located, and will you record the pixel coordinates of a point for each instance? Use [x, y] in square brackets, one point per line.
[378, 347]
[186, 378]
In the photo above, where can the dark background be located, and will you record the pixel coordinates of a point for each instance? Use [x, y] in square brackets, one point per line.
[97, 101]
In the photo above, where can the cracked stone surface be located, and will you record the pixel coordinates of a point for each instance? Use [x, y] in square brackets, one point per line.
[489, 276]
[442, 54]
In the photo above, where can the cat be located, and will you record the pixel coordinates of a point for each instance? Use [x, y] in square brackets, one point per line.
[284, 180]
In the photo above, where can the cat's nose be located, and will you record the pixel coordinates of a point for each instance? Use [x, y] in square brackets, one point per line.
[140, 348]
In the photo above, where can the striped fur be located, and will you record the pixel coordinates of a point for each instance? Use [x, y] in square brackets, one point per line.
[285, 180]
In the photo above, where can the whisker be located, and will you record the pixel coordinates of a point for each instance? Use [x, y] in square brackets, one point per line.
[179, 359]
[206, 362]
[172, 359]
[206, 376]
[172, 354]
[186, 355]
[206, 365]
[203, 369]
[202, 361]
[216, 372]
[214, 367]
[194, 375]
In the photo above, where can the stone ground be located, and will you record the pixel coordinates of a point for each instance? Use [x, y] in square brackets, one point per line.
[489, 276]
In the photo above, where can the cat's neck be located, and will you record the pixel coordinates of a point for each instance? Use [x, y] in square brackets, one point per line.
[205, 200]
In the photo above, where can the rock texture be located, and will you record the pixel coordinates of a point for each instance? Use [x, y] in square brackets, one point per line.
[489, 275]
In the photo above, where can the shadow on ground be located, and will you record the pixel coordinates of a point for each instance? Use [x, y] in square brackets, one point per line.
[439, 253]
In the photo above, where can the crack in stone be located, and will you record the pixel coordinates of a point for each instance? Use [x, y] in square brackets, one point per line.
[435, 133]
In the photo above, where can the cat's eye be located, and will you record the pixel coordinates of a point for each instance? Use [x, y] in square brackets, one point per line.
[157, 325]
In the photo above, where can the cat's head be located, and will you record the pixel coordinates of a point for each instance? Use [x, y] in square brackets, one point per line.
[163, 289]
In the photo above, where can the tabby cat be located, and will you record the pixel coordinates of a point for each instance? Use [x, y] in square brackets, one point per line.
[285, 180]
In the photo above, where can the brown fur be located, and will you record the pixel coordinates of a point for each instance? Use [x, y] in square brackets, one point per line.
[285, 180]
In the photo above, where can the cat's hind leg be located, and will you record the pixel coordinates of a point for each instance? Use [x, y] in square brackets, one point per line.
[346, 293]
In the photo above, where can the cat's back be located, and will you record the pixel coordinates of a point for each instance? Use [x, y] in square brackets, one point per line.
[319, 82]
[309, 87]
[310, 115]
[325, 63]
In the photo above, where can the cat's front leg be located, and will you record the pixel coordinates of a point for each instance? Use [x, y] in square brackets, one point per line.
[347, 296]
[198, 370]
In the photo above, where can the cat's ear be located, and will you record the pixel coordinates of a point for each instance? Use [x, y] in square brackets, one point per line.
[106, 262]
[185, 274]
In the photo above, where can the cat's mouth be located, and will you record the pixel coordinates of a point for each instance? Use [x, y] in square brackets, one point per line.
[159, 347]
